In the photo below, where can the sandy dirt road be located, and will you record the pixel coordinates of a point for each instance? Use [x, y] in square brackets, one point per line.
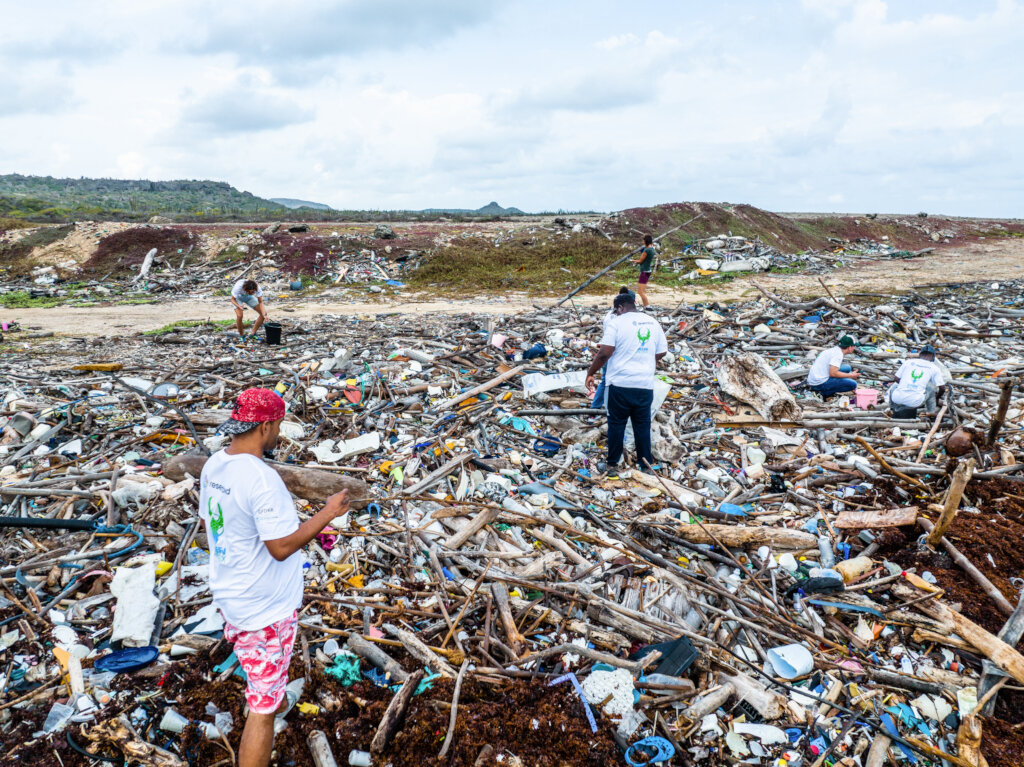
[993, 259]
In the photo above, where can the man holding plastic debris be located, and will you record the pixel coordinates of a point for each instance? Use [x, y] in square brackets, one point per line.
[246, 294]
[632, 344]
[254, 537]
[829, 375]
[918, 382]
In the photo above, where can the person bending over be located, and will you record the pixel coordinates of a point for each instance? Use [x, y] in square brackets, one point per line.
[918, 382]
[246, 294]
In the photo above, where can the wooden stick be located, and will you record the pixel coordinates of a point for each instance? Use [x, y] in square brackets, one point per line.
[879, 750]
[437, 475]
[482, 519]
[465, 605]
[455, 710]
[619, 261]
[1000, 416]
[420, 651]
[961, 477]
[377, 657]
[995, 649]
[515, 639]
[928, 438]
[453, 401]
[392, 718]
[885, 465]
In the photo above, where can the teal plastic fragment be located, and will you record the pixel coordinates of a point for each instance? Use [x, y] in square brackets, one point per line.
[427, 682]
[345, 669]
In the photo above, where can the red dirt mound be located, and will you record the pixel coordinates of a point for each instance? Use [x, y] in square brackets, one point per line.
[120, 251]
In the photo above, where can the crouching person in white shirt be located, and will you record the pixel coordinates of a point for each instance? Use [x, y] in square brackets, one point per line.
[919, 382]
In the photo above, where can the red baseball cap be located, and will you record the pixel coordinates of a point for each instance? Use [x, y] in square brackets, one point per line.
[252, 407]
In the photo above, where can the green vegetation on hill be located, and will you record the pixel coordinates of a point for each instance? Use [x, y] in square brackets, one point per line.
[47, 199]
[44, 199]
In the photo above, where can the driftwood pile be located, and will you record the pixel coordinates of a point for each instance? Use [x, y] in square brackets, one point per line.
[802, 569]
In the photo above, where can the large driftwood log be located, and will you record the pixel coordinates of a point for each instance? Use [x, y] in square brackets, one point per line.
[870, 520]
[743, 537]
[1011, 632]
[392, 718]
[989, 645]
[750, 379]
[311, 484]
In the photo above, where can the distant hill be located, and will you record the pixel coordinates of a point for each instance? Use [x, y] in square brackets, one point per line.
[290, 202]
[490, 209]
[44, 198]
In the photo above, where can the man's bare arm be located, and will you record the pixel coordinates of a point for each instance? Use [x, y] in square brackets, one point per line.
[282, 548]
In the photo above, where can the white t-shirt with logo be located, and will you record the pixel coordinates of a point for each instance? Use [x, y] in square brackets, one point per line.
[243, 503]
[637, 337]
[818, 373]
[239, 292]
[915, 375]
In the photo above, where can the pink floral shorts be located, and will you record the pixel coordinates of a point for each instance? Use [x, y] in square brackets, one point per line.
[264, 655]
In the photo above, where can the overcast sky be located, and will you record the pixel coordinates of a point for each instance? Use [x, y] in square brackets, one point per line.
[812, 105]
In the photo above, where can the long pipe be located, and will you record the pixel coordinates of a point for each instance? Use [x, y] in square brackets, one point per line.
[619, 261]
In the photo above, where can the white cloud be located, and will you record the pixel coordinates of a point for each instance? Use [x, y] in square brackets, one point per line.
[799, 105]
[617, 41]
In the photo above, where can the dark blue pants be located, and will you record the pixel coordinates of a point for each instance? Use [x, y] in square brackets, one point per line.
[625, 404]
[598, 403]
[837, 385]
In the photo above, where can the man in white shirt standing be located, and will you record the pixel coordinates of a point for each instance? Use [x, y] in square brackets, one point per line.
[828, 375]
[631, 345]
[918, 382]
[255, 536]
[246, 294]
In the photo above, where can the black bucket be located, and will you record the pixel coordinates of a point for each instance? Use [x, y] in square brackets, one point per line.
[273, 332]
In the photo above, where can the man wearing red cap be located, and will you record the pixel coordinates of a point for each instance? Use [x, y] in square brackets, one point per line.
[255, 536]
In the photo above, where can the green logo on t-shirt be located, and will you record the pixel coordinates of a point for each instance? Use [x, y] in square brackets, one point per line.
[216, 519]
[217, 528]
[643, 334]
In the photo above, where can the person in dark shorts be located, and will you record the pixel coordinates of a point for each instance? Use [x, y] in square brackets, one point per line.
[246, 294]
[646, 261]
